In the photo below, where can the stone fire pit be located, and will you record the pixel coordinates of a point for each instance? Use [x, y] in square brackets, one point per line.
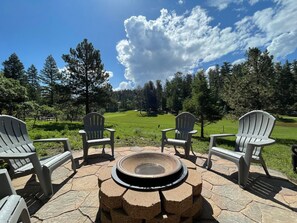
[162, 202]
[149, 171]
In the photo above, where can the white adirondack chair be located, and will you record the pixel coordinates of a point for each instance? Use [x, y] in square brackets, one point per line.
[17, 149]
[253, 134]
[184, 129]
[93, 133]
[13, 207]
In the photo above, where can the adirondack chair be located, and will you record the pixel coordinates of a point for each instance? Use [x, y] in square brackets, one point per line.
[253, 134]
[184, 129]
[17, 149]
[92, 134]
[13, 207]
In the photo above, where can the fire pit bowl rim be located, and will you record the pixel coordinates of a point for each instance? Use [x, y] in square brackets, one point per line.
[173, 162]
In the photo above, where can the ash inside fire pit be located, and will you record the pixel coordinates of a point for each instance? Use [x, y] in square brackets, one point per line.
[149, 171]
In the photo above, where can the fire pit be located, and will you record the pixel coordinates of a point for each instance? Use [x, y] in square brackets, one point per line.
[149, 171]
[150, 187]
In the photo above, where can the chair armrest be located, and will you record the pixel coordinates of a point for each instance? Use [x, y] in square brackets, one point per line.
[222, 135]
[251, 146]
[16, 155]
[81, 132]
[192, 132]
[110, 130]
[164, 133]
[263, 142]
[213, 138]
[167, 130]
[6, 185]
[65, 142]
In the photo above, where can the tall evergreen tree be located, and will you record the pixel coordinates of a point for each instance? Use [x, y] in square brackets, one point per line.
[33, 84]
[202, 103]
[250, 86]
[14, 68]
[159, 95]
[150, 97]
[85, 72]
[50, 77]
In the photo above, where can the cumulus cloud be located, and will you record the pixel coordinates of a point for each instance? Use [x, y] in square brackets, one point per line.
[156, 49]
[124, 85]
[274, 27]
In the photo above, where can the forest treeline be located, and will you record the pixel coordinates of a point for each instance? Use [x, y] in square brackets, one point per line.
[83, 86]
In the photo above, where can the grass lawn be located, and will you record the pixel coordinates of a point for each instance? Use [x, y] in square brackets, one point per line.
[133, 129]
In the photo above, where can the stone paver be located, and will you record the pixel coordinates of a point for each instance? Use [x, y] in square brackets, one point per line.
[76, 197]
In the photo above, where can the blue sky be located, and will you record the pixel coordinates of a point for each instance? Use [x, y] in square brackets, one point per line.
[142, 40]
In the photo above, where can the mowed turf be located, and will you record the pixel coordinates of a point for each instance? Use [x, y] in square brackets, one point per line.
[136, 129]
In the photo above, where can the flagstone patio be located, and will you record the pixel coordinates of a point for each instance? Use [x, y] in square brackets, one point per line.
[76, 194]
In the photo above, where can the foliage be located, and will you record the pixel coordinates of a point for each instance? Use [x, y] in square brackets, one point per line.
[33, 87]
[202, 103]
[85, 73]
[250, 84]
[12, 93]
[50, 77]
[176, 91]
[14, 68]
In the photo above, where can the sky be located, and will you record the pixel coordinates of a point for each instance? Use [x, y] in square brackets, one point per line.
[143, 40]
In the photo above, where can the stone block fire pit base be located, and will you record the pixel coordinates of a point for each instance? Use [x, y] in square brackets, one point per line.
[181, 203]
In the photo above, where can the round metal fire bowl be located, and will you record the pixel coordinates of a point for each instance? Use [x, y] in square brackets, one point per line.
[148, 165]
[146, 181]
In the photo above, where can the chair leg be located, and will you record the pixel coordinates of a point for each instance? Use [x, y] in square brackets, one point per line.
[209, 163]
[85, 151]
[112, 149]
[25, 216]
[264, 166]
[73, 164]
[187, 151]
[162, 146]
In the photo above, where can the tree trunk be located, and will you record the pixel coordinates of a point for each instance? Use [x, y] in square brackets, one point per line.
[202, 126]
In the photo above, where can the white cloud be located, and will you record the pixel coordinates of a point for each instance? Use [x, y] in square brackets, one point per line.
[222, 4]
[110, 73]
[274, 28]
[253, 2]
[239, 61]
[124, 85]
[208, 69]
[181, 2]
[156, 49]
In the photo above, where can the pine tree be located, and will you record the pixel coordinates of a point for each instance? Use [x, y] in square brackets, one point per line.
[85, 72]
[14, 68]
[50, 77]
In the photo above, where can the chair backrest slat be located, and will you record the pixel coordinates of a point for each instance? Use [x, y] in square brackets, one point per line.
[184, 123]
[14, 138]
[254, 126]
[94, 125]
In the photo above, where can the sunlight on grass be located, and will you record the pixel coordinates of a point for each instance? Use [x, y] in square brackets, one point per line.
[134, 129]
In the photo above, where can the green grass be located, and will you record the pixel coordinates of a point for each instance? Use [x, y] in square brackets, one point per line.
[133, 129]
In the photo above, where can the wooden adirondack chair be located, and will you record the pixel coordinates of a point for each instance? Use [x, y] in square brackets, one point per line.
[253, 134]
[13, 207]
[184, 129]
[17, 149]
[92, 135]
